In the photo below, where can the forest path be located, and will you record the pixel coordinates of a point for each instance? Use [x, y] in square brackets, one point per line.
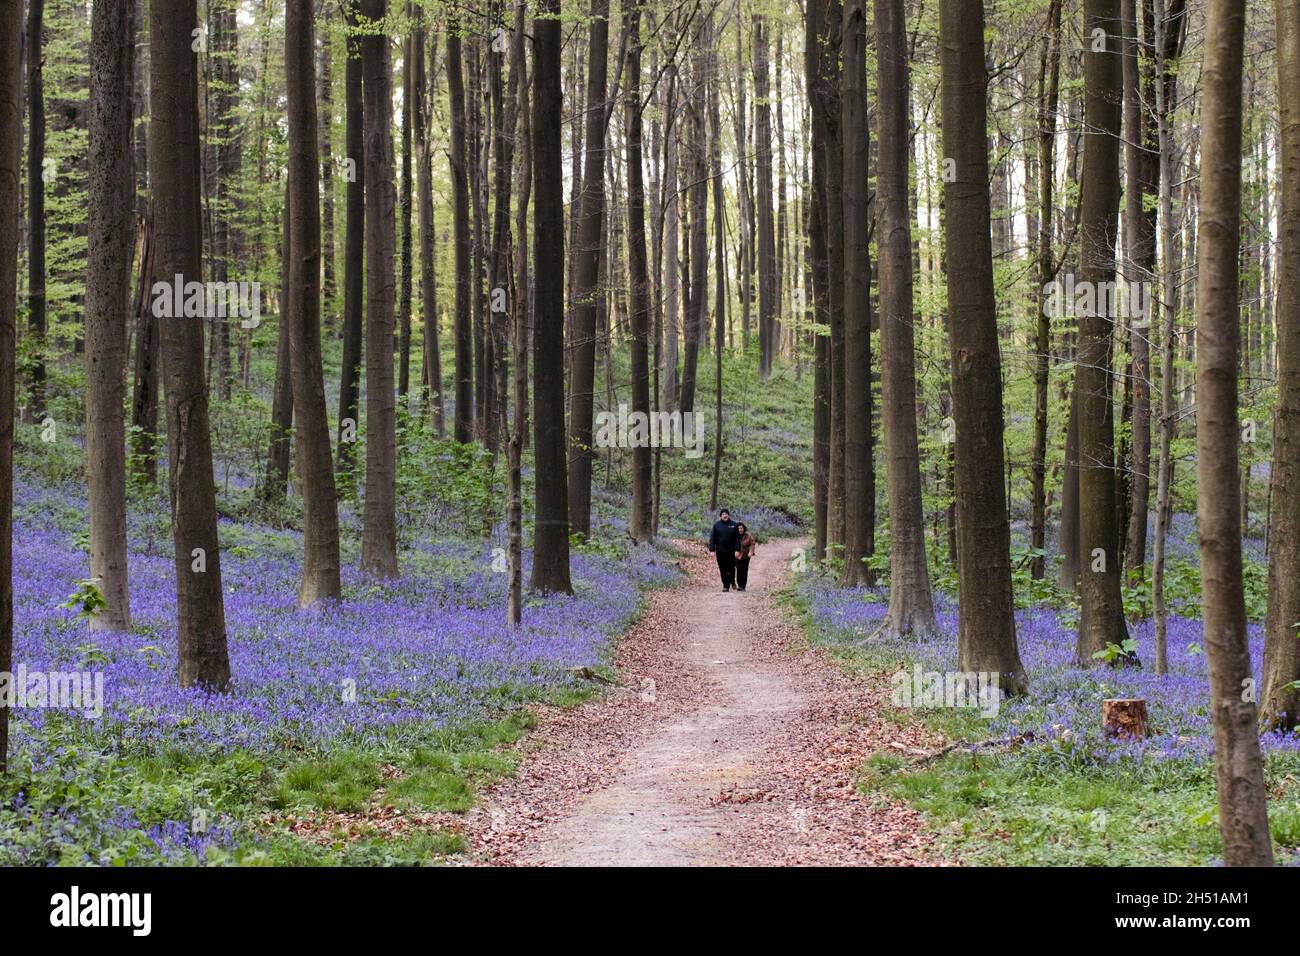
[731, 741]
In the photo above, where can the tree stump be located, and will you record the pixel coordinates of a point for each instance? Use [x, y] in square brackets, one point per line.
[1124, 717]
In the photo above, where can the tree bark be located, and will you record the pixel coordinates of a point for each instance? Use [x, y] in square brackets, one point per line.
[911, 604]
[766, 240]
[519, 338]
[1238, 763]
[406, 209]
[461, 327]
[203, 659]
[1281, 701]
[642, 524]
[591, 217]
[1048, 99]
[11, 134]
[36, 302]
[379, 521]
[859, 474]
[110, 211]
[354, 248]
[1101, 621]
[986, 636]
[320, 540]
[551, 538]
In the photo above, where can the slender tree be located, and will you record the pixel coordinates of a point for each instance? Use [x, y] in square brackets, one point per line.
[174, 162]
[1049, 86]
[1101, 622]
[859, 474]
[1281, 702]
[320, 520]
[379, 532]
[641, 526]
[519, 336]
[110, 213]
[763, 171]
[424, 200]
[591, 213]
[551, 539]
[911, 605]
[354, 244]
[462, 329]
[1238, 763]
[11, 135]
[986, 637]
[36, 176]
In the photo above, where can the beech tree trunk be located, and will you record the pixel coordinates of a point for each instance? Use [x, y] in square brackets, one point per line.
[379, 534]
[320, 520]
[354, 249]
[1101, 622]
[11, 134]
[986, 636]
[911, 605]
[174, 160]
[519, 337]
[586, 291]
[551, 538]
[111, 213]
[641, 527]
[859, 476]
[766, 240]
[1048, 100]
[1281, 701]
[36, 172]
[461, 326]
[1238, 763]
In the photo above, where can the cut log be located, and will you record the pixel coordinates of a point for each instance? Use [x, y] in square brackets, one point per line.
[1124, 717]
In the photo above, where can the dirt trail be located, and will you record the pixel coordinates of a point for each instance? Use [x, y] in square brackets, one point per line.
[730, 742]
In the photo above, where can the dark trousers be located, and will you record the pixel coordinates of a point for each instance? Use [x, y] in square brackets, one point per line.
[727, 567]
[742, 573]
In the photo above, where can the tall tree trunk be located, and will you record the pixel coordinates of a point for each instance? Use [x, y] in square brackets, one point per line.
[671, 248]
[859, 473]
[642, 524]
[986, 637]
[551, 538]
[462, 329]
[1281, 702]
[763, 170]
[111, 211]
[697, 303]
[428, 284]
[144, 391]
[911, 605]
[586, 258]
[320, 519]
[325, 98]
[275, 485]
[1049, 85]
[224, 90]
[1101, 622]
[354, 248]
[1142, 171]
[379, 533]
[819, 258]
[36, 175]
[11, 135]
[405, 210]
[829, 98]
[1238, 763]
[519, 337]
[720, 264]
[174, 158]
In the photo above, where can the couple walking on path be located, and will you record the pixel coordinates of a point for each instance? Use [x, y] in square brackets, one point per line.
[734, 546]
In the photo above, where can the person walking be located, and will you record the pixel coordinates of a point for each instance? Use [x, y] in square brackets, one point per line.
[746, 548]
[722, 542]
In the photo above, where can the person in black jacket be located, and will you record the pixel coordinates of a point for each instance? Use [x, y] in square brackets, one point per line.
[722, 541]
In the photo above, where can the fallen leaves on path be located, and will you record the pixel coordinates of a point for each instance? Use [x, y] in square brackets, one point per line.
[730, 741]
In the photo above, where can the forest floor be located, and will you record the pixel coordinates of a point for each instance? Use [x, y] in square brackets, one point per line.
[727, 739]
